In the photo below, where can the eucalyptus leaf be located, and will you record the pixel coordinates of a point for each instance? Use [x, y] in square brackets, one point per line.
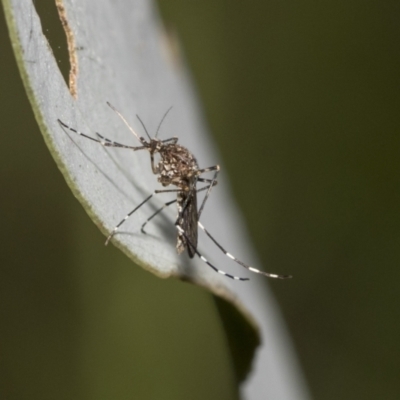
[120, 54]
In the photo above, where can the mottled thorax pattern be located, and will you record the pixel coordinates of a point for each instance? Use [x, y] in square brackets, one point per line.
[177, 166]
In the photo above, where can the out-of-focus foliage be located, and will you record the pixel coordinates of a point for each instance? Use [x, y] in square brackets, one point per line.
[303, 98]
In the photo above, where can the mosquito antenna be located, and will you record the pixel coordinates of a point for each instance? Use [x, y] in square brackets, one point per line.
[162, 120]
[124, 120]
[144, 127]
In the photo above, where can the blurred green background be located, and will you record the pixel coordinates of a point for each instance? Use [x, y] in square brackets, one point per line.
[303, 100]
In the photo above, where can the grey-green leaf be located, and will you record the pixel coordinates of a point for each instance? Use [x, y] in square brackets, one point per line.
[121, 54]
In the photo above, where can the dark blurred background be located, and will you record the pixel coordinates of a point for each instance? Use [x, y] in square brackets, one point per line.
[303, 100]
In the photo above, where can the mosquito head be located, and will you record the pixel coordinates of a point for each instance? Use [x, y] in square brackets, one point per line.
[155, 145]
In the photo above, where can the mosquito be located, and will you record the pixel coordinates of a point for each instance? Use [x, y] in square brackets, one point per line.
[177, 167]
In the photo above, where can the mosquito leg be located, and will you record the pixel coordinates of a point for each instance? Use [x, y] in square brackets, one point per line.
[168, 204]
[193, 189]
[209, 169]
[276, 276]
[173, 140]
[114, 231]
[236, 278]
[156, 213]
[212, 184]
[111, 143]
[102, 140]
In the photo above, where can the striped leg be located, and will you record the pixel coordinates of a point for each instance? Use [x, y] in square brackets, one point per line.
[156, 213]
[236, 278]
[276, 276]
[114, 231]
[168, 204]
[213, 182]
[101, 139]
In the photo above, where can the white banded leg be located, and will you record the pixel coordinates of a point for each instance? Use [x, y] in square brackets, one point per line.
[193, 189]
[101, 139]
[111, 143]
[167, 204]
[114, 231]
[236, 278]
[256, 271]
[213, 182]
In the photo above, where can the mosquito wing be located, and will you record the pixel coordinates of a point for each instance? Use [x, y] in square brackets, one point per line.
[188, 223]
